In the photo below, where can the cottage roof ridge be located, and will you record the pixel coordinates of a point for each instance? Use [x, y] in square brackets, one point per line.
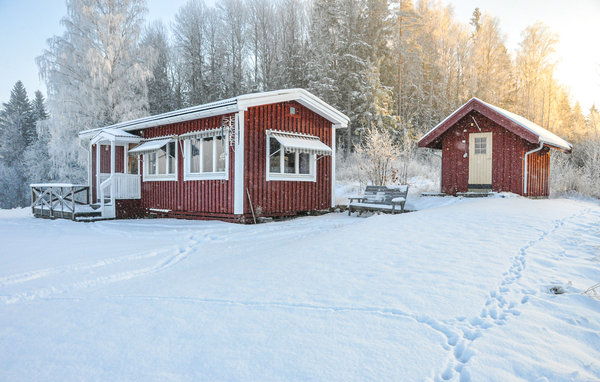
[230, 105]
[543, 135]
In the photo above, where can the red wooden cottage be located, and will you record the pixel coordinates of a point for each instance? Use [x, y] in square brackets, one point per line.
[267, 154]
[486, 148]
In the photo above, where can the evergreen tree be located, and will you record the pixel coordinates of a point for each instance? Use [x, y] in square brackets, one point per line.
[17, 125]
[39, 107]
[17, 132]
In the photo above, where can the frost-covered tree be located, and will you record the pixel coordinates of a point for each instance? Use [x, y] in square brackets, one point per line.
[235, 44]
[17, 134]
[36, 158]
[160, 92]
[189, 35]
[38, 106]
[17, 126]
[95, 74]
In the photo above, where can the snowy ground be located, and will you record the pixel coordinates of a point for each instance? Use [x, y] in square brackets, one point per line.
[455, 292]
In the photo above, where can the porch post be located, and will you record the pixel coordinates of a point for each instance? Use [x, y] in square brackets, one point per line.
[112, 171]
[98, 147]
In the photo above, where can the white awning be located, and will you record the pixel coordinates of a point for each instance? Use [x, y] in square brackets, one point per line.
[301, 143]
[204, 133]
[150, 146]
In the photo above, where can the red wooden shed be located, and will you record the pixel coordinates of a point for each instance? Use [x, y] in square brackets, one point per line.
[263, 154]
[486, 148]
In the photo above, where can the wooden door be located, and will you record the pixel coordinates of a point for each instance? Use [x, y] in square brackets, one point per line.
[480, 162]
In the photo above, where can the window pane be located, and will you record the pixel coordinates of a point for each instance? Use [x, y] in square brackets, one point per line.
[274, 161]
[162, 160]
[207, 155]
[171, 158]
[289, 163]
[194, 155]
[220, 154]
[132, 164]
[304, 163]
[151, 167]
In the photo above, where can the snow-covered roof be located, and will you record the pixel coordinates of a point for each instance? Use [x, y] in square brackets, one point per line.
[111, 134]
[231, 105]
[542, 135]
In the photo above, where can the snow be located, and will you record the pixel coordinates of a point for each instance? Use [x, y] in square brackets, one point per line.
[543, 134]
[456, 291]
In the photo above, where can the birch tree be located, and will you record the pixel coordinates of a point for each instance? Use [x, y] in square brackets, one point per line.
[95, 75]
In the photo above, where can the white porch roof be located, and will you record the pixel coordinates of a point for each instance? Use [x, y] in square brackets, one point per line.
[119, 135]
[293, 142]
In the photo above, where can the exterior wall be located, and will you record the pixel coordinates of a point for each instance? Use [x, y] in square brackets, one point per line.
[105, 159]
[191, 198]
[507, 156]
[128, 209]
[538, 172]
[277, 198]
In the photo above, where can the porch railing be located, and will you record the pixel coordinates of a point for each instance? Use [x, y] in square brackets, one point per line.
[58, 199]
[126, 186]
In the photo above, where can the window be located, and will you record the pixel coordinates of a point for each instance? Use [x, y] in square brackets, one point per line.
[161, 164]
[206, 158]
[480, 145]
[293, 165]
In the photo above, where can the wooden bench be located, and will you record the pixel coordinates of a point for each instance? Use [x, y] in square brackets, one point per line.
[380, 198]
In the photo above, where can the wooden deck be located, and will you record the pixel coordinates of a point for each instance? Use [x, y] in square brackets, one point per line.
[63, 201]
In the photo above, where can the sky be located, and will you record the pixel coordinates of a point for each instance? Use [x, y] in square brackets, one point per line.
[25, 25]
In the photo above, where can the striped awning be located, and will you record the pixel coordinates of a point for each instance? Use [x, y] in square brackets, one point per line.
[150, 146]
[301, 143]
[204, 133]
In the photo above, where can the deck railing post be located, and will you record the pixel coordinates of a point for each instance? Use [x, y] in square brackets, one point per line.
[73, 202]
[51, 202]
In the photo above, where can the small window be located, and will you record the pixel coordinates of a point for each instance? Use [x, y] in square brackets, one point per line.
[289, 165]
[205, 158]
[480, 145]
[275, 158]
[292, 110]
[160, 164]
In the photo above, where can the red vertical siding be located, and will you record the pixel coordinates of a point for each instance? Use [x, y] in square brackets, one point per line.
[507, 157]
[274, 198]
[538, 171]
[105, 159]
[191, 198]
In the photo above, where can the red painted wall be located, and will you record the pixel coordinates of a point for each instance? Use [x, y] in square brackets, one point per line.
[538, 172]
[105, 159]
[275, 198]
[192, 198]
[507, 158]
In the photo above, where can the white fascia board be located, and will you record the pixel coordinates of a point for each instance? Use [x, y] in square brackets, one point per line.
[166, 119]
[238, 175]
[445, 119]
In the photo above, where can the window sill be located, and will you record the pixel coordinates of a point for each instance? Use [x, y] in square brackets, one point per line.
[292, 177]
[206, 176]
[160, 178]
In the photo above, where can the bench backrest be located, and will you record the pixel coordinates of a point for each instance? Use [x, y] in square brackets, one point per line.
[384, 194]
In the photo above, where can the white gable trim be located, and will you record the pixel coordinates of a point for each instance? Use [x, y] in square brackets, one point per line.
[232, 105]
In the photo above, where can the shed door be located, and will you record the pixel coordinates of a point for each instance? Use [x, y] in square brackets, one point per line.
[480, 161]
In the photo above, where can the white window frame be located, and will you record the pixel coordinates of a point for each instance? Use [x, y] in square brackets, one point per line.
[297, 177]
[214, 175]
[160, 177]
